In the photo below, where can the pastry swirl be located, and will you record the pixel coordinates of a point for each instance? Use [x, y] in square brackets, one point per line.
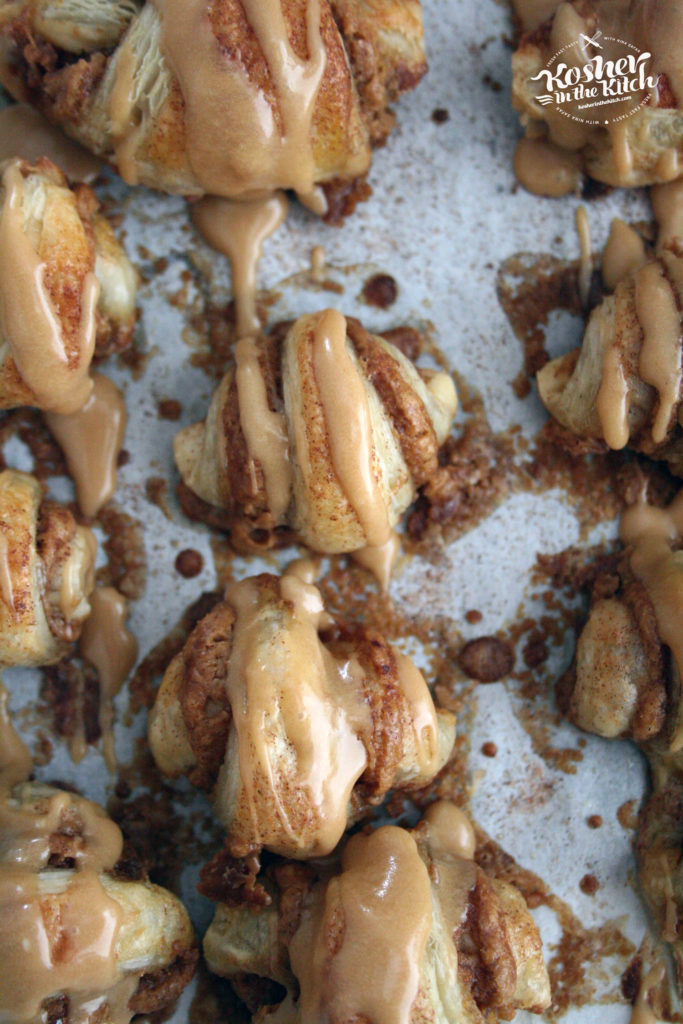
[402, 926]
[352, 429]
[78, 940]
[141, 84]
[623, 387]
[67, 289]
[291, 723]
[46, 573]
[626, 682]
[637, 146]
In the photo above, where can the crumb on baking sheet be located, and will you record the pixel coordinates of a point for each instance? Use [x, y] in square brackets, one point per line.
[126, 567]
[583, 959]
[530, 287]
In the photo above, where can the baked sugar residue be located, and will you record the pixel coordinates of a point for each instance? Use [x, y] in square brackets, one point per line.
[126, 567]
[472, 478]
[529, 288]
[380, 290]
[585, 962]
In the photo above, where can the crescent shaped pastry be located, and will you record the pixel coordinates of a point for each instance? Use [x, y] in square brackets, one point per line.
[293, 723]
[78, 941]
[67, 288]
[626, 681]
[327, 435]
[46, 573]
[636, 145]
[623, 386]
[402, 926]
[226, 98]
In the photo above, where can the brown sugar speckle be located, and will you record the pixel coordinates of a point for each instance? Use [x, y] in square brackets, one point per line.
[627, 815]
[169, 409]
[189, 563]
[589, 884]
[487, 659]
[380, 290]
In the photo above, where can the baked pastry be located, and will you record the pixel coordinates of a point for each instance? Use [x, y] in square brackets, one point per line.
[622, 387]
[47, 566]
[402, 925]
[326, 435]
[228, 98]
[67, 288]
[626, 682]
[292, 722]
[78, 940]
[637, 140]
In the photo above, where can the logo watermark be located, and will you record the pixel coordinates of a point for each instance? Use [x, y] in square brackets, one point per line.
[586, 91]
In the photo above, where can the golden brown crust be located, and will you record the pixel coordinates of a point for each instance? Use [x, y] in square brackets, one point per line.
[485, 957]
[485, 943]
[412, 425]
[373, 54]
[408, 417]
[159, 989]
[649, 713]
[203, 695]
[263, 647]
[54, 537]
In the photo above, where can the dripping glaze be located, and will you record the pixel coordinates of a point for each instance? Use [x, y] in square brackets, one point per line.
[89, 919]
[654, 288]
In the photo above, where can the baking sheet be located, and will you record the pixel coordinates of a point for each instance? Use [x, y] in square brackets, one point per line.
[445, 212]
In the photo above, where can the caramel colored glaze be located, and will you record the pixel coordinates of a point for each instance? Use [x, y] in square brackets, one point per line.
[642, 1011]
[623, 254]
[450, 830]
[15, 759]
[112, 649]
[25, 133]
[126, 132]
[585, 253]
[347, 417]
[613, 400]
[265, 431]
[6, 587]
[383, 897]
[91, 440]
[667, 204]
[294, 677]
[380, 560]
[318, 264]
[263, 145]
[28, 322]
[69, 948]
[660, 355]
[36, 969]
[238, 230]
[451, 843]
[650, 532]
[412, 685]
[545, 169]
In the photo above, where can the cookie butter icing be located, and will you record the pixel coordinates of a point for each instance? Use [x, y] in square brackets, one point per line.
[287, 674]
[383, 897]
[57, 375]
[55, 938]
[650, 534]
